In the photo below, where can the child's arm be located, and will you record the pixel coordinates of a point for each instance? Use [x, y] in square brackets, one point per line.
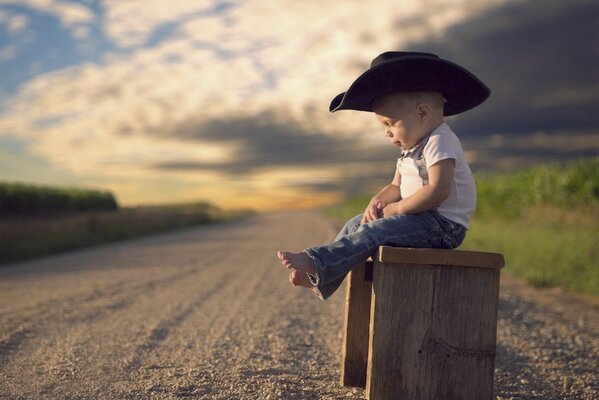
[389, 194]
[428, 197]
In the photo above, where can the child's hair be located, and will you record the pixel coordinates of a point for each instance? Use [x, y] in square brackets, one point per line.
[434, 99]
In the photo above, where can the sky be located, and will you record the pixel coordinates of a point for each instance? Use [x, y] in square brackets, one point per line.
[227, 101]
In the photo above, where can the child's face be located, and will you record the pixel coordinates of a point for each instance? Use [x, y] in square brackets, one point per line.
[400, 117]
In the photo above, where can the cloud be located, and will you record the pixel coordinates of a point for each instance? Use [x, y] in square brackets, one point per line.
[69, 13]
[73, 16]
[241, 91]
[264, 142]
[537, 59]
[16, 24]
[508, 152]
[130, 23]
[115, 118]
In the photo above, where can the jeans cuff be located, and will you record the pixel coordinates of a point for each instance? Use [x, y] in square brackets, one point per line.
[315, 279]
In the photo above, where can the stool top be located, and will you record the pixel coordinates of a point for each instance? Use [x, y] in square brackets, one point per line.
[457, 258]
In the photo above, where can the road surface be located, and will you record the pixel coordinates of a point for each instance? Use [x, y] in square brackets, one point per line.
[207, 312]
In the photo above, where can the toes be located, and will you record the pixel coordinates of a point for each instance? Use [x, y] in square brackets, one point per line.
[293, 278]
[298, 278]
[284, 256]
[283, 259]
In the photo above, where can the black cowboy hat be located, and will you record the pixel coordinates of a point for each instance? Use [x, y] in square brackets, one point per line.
[399, 71]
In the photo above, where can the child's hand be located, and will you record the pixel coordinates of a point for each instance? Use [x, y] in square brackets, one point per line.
[373, 211]
[391, 209]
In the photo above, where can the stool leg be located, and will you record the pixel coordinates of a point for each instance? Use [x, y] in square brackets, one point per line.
[354, 353]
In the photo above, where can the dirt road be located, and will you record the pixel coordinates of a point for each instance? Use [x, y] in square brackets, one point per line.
[207, 313]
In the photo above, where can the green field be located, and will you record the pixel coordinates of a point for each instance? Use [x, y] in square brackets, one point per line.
[18, 198]
[42, 220]
[22, 238]
[546, 248]
[544, 220]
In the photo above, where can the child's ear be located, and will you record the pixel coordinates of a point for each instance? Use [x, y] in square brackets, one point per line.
[424, 111]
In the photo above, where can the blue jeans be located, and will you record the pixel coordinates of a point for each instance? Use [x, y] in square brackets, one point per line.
[355, 243]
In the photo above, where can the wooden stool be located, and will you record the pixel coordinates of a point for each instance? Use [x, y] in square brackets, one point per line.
[422, 324]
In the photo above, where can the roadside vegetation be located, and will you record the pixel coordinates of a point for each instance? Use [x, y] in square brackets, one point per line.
[29, 200]
[545, 220]
[41, 220]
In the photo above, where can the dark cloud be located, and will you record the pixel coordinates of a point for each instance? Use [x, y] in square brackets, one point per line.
[264, 143]
[540, 59]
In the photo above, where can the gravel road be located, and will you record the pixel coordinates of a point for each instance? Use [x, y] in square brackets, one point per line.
[208, 313]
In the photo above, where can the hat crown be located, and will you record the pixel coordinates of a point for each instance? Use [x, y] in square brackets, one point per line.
[393, 55]
[409, 71]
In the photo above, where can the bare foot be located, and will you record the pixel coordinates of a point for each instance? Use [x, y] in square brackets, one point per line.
[299, 278]
[300, 261]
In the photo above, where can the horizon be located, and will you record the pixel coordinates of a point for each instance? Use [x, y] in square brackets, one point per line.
[217, 101]
[312, 203]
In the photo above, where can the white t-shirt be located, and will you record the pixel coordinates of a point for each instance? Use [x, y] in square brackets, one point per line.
[441, 144]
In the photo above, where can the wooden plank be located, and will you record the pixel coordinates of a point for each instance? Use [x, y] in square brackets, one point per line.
[354, 352]
[432, 332]
[368, 272]
[475, 259]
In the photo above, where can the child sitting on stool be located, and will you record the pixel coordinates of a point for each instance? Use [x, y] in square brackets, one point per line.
[432, 196]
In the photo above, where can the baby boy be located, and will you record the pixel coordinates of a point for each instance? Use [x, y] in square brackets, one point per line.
[432, 196]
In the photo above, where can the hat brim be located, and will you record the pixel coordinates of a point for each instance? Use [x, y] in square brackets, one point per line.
[461, 89]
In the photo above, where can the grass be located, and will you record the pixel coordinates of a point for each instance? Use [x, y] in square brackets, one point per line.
[546, 248]
[567, 186]
[543, 220]
[23, 237]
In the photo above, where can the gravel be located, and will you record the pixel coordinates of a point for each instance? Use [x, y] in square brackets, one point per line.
[207, 313]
